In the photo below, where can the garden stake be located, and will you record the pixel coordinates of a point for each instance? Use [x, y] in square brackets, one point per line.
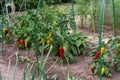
[2, 25]
[73, 14]
[100, 37]
[114, 18]
[35, 22]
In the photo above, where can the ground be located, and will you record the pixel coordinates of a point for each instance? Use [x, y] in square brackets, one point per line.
[79, 69]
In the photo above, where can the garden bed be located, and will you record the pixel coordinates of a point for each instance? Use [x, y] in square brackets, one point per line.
[79, 69]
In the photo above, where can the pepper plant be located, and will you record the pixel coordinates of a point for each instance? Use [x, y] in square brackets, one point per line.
[51, 29]
[106, 61]
[114, 44]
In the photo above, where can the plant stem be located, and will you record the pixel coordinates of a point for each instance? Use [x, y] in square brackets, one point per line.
[51, 66]
[8, 73]
[15, 65]
[0, 76]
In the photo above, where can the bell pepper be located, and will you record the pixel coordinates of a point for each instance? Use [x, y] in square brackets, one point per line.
[20, 43]
[60, 52]
[50, 34]
[97, 54]
[6, 31]
[103, 71]
[102, 50]
[48, 41]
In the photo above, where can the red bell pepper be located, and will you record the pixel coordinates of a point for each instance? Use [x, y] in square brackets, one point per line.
[97, 54]
[6, 31]
[60, 52]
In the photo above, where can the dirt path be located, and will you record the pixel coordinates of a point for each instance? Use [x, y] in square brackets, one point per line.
[9, 50]
[79, 69]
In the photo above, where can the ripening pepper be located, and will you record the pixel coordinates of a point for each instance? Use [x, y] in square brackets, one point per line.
[6, 31]
[92, 70]
[48, 41]
[103, 71]
[97, 54]
[60, 52]
[50, 34]
[17, 42]
[20, 43]
[102, 50]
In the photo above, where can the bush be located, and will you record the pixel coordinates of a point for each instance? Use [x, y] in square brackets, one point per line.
[51, 29]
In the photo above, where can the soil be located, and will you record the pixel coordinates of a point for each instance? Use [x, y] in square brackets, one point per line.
[79, 69]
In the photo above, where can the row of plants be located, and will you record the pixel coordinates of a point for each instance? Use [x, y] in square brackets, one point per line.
[109, 53]
[51, 29]
[50, 36]
[110, 57]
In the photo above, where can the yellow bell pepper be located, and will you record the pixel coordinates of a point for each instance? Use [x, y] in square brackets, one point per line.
[50, 34]
[48, 41]
[102, 50]
[103, 71]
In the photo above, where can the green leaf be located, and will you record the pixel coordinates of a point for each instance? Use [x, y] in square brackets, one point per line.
[109, 74]
[59, 35]
[74, 37]
[74, 49]
[83, 43]
[93, 64]
[70, 57]
[95, 70]
[105, 56]
[78, 43]
[65, 47]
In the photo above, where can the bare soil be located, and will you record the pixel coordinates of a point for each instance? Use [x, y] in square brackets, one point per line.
[79, 69]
